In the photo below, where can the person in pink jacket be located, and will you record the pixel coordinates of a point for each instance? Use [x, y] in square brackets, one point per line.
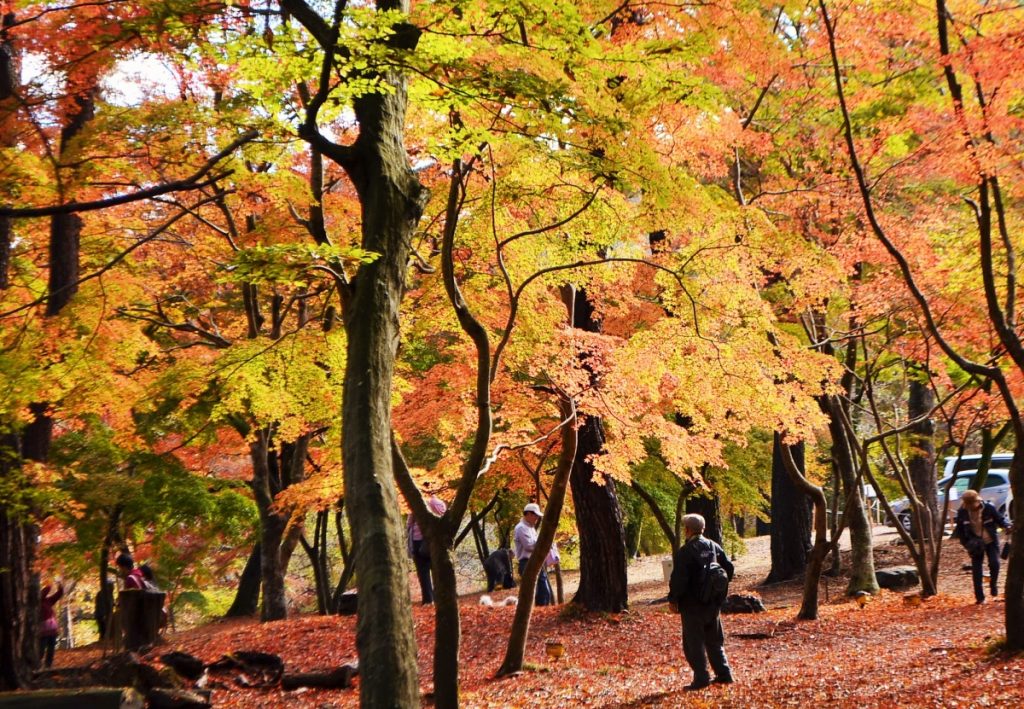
[48, 628]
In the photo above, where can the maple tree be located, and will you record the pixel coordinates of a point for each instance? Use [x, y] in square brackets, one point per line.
[974, 149]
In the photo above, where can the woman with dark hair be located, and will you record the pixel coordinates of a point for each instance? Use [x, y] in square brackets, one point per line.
[133, 578]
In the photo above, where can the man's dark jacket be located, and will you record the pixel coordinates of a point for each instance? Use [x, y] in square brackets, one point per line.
[991, 518]
[687, 570]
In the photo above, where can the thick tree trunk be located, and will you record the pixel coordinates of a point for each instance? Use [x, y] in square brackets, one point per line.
[921, 456]
[8, 133]
[791, 519]
[603, 586]
[706, 505]
[391, 200]
[66, 229]
[17, 627]
[272, 526]
[603, 581]
[247, 598]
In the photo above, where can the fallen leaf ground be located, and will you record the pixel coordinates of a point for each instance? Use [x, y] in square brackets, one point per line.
[888, 654]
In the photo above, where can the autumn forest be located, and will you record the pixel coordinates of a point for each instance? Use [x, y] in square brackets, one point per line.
[278, 275]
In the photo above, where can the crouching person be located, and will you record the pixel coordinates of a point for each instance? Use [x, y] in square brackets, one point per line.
[498, 567]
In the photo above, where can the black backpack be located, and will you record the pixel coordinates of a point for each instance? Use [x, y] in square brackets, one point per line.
[714, 584]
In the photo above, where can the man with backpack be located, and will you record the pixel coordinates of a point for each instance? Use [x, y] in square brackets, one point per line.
[697, 589]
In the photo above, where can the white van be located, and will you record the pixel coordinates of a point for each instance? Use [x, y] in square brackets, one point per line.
[970, 462]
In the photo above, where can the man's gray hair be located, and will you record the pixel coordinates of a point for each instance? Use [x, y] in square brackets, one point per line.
[694, 523]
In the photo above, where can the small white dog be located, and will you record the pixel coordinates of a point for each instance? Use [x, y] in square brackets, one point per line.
[486, 600]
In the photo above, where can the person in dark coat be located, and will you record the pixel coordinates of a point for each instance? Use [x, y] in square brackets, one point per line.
[48, 627]
[498, 567]
[703, 637]
[976, 524]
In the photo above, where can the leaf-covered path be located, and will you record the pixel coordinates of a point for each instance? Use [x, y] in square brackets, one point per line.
[887, 654]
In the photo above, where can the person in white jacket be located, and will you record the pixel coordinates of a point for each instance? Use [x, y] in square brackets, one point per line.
[524, 539]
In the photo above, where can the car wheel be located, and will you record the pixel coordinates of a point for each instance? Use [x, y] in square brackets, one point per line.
[905, 520]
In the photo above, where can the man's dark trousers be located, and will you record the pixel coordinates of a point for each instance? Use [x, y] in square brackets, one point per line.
[702, 633]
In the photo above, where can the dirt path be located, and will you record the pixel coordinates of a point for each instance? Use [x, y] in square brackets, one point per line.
[646, 576]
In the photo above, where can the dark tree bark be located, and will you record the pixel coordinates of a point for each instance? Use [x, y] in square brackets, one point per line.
[921, 456]
[706, 505]
[317, 553]
[66, 229]
[247, 598]
[603, 586]
[791, 519]
[391, 199]
[19, 585]
[8, 132]
[274, 469]
[603, 582]
[18, 592]
[763, 528]
[816, 557]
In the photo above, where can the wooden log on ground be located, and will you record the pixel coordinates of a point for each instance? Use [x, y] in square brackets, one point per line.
[79, 698]
[338, 678]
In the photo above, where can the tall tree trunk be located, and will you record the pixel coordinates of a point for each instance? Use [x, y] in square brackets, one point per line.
[603, 585]
[8, 134]
[816, 558]
[791, 518]
[603, 582]
[844, 464]
[921, 456]
[247, 597]
[19, 586]
[391, 200]
[66, 229]
[272, 526]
